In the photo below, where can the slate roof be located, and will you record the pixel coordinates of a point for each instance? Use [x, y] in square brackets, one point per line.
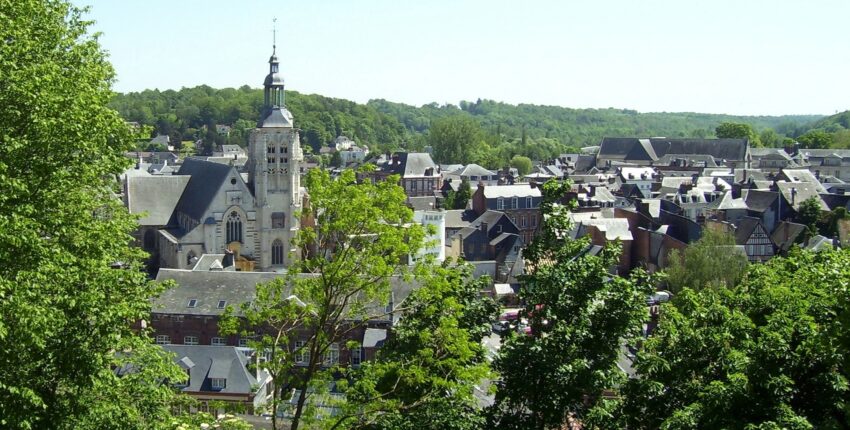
[758, 200]
[627, 148]
[422, 203]
[410, 165]
[473, 170]
[279, 117]
[206, 362]
[804, 191]
[459, 218]
[374, 337]
[745, 228]
[802, 175]
[235, 288]
[206, 179]
[585, 163]
[785, 234]
[207, 288]
[631, 148]
[157, 196]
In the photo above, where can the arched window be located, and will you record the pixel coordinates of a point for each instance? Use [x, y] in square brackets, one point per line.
[277, 252]
[234, 228]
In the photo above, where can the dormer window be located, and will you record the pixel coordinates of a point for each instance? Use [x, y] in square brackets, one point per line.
[218, 383]
[193, 303]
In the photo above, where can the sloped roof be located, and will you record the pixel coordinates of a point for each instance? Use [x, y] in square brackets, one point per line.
[225, 362]
[745, 228]
[276, 118]
[206, 179]
[473, 170]
[158, 196]
[759, 200]
[802, 175]
[412, 164]
[725, 149]
[459, 218]
[797, 192]
[786, 233]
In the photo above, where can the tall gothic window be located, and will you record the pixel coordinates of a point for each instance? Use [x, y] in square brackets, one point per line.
[277, 252]
[234, 228]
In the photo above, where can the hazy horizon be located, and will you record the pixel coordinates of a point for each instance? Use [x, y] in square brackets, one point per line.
[754, 59]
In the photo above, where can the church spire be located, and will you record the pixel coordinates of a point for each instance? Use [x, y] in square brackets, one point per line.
[273, 85]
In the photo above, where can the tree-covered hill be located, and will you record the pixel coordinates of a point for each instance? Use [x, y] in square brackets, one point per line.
[505, 130]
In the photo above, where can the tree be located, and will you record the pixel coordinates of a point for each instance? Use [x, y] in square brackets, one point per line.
[816, 139]
[770, 353]
[454, 138]
[356, 238]
[459, 199]
[770, 138]
[735, 130]
[70, 286]
[809, 214]
[336, 159]
[425, 376]
[521, 164]
[710, 262]
[579, 317]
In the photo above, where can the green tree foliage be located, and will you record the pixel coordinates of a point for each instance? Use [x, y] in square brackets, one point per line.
[770, 139]
[69, 284]
[770, 353]
[522, 164]
[816, 139]
[355, 238]
[455, 139]
[732, 130]
[809, 214]
[710, 262]
[579, 316]
[425, 375]
[459, 199]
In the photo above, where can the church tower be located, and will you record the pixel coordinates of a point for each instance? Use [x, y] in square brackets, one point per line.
[274, 174]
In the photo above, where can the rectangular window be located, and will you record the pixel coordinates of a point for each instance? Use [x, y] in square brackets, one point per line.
[190, 340]
[243, 343]
[332, 355]
[514, 203]
[222, 304]
[522, 221]
[500, 204]
[534, 220]
[529, 203]
[193, 303]
[356, 356]
[218, 383]
[162, 339]
[278, 219]
[218, 341]
[302, 355]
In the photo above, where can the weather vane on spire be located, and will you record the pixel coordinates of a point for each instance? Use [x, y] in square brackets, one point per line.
[274, 34]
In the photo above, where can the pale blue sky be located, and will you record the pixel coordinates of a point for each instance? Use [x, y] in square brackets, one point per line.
[718, 56]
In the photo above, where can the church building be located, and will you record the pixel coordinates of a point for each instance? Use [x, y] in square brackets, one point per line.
[212, 208]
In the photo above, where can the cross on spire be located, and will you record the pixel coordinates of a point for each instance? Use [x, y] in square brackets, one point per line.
[274, 34]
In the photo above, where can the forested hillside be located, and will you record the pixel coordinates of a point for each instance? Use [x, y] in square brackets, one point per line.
[501, 130]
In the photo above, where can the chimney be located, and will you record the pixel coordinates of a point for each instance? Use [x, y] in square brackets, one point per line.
[793, 195]
[483, 226]
[227, 261]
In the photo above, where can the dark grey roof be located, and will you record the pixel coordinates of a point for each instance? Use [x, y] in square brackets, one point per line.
[786, 233]
[758, 200]
[744, 229]
[724, 149]
[797, 192]
[585, 163]
[236, 288]
[627, 148]
[276, 118]
[206, 179]
[413, 164]
[422, 203]
[460, 218]
[208, 288]
[225, 362]
[473, 170]
[156, 195]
